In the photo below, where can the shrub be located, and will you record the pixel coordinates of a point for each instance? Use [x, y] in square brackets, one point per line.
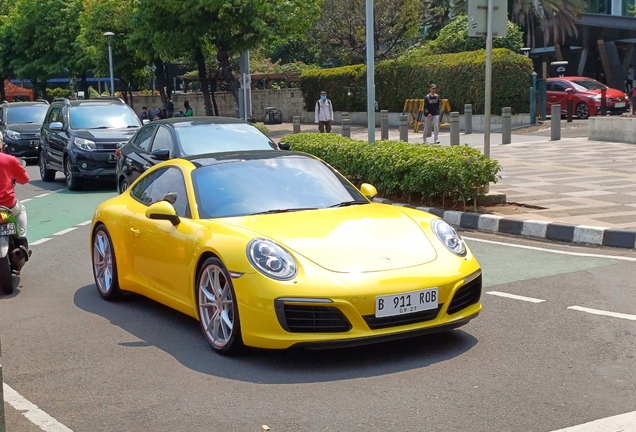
[412, 173]
[346, 87]
[51, 94]
[262, 128]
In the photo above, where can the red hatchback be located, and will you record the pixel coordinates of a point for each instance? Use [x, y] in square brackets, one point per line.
[587, 96]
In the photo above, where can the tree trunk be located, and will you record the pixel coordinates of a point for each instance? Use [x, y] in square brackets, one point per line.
[84, 86]
[226, 71]
[132, 100]
[124, 88]
[203, 79]
[36, 92]
[3, 93]
[213, 88]
[160, 76]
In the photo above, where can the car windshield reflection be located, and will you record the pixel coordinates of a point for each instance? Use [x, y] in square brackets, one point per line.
[269, 185]
[213, 138]
[585, 85]
[27, 114]
[103, 117]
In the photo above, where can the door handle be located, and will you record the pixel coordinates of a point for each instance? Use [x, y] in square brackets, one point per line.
[135, 231]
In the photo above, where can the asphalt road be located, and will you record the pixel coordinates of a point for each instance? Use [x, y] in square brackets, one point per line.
[523, 365]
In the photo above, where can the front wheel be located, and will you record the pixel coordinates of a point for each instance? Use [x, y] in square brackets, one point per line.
[47, 175]
[105, 265]
[218, 308]
[6, 280]
[73, 182]
[582, 111]
[123, 185]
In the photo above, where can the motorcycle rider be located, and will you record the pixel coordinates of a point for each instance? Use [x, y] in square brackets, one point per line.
[10, 170]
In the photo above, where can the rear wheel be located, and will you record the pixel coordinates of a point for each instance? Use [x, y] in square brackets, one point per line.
[105, 265]
[73, 182]
[123, 185]
[582, 111]
[218, 308]
[6, 280]
[47, 175]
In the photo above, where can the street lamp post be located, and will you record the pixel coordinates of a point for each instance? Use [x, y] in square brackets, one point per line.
[109, 37]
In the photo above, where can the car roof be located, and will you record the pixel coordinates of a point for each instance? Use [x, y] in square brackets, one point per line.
[217, 158]
[25, 103]
[571, 78]
[200, 120]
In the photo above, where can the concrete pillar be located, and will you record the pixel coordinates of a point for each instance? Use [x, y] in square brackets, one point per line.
[404, 127]
[454, 128]
[384, 125]
[582, 62]
[506, 125]
[296, 121]
[468, 119]
[344, 115]
[346, 127]
[555, 125]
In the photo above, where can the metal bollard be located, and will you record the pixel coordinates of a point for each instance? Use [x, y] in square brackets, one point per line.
[604, 101]
[468, 118]
[404, 128]
[296, 121]
[506, 125]
[454, 128]
[346, 127]
[570, 99]
[555, 126]
[384, 125]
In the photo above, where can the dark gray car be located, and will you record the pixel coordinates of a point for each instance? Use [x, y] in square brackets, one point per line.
[20, 124]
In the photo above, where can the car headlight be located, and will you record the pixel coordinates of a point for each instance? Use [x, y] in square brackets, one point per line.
[595, 97]
[449, 237]
[270, 259]
[85, 144]
[13, 134]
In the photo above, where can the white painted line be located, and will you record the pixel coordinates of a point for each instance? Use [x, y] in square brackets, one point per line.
[560, 252]
[67, 230]
[622, 422]
[42, 240]
[605, 313]
[43, 195]
[88, 222]
[26, 200]
[33, 413]
[515, 297]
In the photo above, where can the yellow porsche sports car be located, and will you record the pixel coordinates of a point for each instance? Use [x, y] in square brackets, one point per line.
[277, 249]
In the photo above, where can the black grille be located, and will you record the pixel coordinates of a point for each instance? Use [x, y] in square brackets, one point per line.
[467, 295]
[399, 320]
[312, 319]
[106, 146]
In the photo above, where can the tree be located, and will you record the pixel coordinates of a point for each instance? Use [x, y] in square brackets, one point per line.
[341, 30]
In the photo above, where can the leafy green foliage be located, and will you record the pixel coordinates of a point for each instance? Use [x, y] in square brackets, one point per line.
[414, 173]
[51, 94]
[459, 78]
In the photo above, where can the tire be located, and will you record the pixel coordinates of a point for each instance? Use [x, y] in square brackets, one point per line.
[221, 329]
[582, 111]
[123, 185]
[105, 265]
[73, 183]
[47, 175]
[6, 279]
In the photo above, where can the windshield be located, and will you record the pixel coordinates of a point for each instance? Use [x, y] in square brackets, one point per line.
[212, 138]
[103, 117]
[27, 114]
[587, 84]
[269, 184]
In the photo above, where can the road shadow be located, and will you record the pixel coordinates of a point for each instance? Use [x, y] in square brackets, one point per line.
[16, 288]
[59, 184]
[180, 336]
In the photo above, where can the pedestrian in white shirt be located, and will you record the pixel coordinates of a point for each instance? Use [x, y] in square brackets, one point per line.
[324, 113]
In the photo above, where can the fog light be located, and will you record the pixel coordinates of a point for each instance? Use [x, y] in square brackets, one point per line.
[12, 149]
[84, 165]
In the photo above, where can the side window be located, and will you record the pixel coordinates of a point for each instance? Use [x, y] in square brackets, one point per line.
[163, 140]
[143, 189]
[53, 115]
[560, 86]
[169, 185]
[142, 140]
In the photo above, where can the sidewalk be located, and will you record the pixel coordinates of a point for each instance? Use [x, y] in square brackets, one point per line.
[571, 190]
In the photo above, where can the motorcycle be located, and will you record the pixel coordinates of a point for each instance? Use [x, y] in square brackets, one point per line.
[14, 250]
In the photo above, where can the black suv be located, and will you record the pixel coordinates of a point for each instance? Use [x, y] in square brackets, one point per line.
[20, 124]
[79, 138]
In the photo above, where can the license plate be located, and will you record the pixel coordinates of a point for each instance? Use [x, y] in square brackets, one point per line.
[8, 229]
[406, 303]
[112, 158]
[619, 104]
[34, 143]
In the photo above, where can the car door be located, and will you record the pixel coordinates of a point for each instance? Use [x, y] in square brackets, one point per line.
[57, 140]
[163, 253]
[557, 94]
[136, 156]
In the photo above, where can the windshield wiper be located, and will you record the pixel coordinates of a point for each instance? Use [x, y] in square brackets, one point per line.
[349, 203]
[289, 210]
[132, 126]
[99, 127]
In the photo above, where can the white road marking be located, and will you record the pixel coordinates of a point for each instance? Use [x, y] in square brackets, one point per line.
[515, 297]
[619, 423]
[88, 222]
[591, 255]
[605, 313]
[33, 413]
[42, 240]
[67, 230]
[26, 200]
[43, 195]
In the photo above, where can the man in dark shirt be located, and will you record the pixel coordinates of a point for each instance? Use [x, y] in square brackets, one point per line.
[431, 111]
[144, 115]
[170, 108]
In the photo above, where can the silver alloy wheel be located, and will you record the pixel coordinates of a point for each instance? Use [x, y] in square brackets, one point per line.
[582, 111]
[68, 173]
[123, 186]
[216, 305]
[103, 262]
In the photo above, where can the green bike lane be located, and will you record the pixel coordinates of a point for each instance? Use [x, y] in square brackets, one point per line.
[60, 210]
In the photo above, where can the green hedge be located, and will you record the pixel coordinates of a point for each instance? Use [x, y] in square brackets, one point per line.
[448, 176]
[459, 77]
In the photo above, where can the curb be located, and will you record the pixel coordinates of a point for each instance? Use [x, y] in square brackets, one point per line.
[533, 229]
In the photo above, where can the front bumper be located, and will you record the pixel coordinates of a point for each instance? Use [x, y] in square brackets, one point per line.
[93, 164]
[22, 148]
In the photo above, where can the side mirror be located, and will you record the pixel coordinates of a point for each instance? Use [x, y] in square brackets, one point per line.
[146, 121]
[161, 154]
[368, 190]
[163, 210]
[57, 126]
[284, 146]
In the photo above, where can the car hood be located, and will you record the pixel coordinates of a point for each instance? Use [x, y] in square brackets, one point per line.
[106, 135]
[25, 127]
[610, 92]
[363, 238]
